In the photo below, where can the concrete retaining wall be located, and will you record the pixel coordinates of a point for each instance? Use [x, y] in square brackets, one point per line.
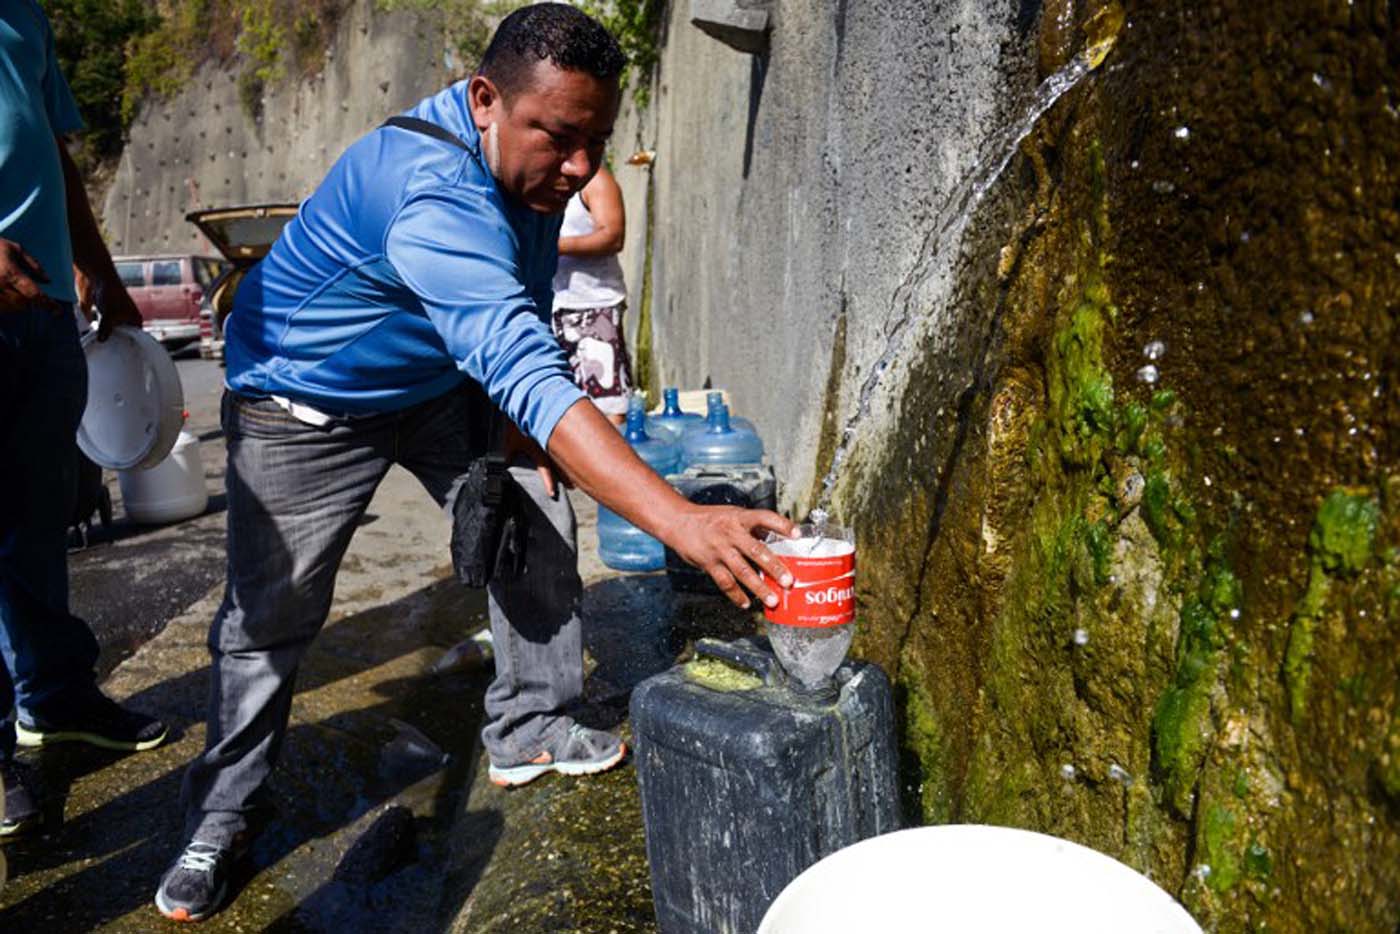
[201, 149]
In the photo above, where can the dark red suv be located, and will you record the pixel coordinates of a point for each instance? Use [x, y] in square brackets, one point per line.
[168, 290]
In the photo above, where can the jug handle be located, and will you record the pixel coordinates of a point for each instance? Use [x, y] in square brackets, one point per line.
[744, 653]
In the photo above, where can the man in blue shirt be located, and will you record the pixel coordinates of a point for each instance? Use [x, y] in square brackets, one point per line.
[402, 310]
[46, 231]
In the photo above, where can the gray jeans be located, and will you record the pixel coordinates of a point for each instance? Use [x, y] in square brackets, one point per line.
[295, 496]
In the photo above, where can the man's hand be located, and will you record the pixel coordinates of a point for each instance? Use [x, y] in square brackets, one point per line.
[517, 443]
[20, 278]
[723, 542]
[116, 308]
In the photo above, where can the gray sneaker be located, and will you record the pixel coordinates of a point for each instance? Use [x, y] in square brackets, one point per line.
[194, 886]
[580, 751]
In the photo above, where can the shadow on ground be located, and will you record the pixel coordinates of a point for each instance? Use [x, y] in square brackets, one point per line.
[369, 729]
[379, 817]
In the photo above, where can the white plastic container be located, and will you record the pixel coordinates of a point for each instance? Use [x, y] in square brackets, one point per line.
[973, 877]
[171, 490]
[135, 406]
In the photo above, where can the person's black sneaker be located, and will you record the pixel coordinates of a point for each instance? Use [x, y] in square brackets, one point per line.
[98, 720]
[21, 813]
[194, 886]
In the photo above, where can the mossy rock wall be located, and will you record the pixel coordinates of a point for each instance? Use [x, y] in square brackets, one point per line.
[1138, 580]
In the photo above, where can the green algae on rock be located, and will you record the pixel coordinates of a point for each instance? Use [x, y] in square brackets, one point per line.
[1343, 537]
[1340, 544]
[1218, 834]
[1178, 571]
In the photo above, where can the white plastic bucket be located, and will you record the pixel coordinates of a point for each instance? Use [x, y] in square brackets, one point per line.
[135, 402]
[171, 490]
[972, 877]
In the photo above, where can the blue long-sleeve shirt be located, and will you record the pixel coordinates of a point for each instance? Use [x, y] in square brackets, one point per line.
[406, 272]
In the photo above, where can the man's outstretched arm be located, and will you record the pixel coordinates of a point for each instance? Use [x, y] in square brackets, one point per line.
[90, 253]
[719, 540]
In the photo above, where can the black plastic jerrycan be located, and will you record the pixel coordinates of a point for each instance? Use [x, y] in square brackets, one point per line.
[745, 783]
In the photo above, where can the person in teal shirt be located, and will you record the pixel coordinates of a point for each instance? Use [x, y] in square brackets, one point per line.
[47, 233]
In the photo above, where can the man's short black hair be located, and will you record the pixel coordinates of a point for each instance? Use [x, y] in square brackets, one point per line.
[557, 32]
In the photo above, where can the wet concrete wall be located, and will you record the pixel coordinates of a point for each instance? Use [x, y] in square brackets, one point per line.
[205, 147]
[794, 192]
[1128, 501]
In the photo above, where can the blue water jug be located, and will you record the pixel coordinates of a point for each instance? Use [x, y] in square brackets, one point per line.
[713, 399]
[721, 442]
[672, 419]
[621, 545]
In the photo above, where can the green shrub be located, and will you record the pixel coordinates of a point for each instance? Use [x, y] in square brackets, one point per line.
[637, 26]
[91, 37]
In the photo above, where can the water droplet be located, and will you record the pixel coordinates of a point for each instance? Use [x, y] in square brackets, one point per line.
[1154, 350]
[1182, 132]
[1201, 872]
[1207, 481]
[1351, 431]
[1321, 81]
[1120, 775]
[1235, 612]
[1148, 374]
[1067, 772]
[1244, 236]
[1163, 187]
[1135, 164]
[1081, 637]
[1305, 318]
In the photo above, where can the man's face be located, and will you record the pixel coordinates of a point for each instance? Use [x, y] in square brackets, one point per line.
[548, 136]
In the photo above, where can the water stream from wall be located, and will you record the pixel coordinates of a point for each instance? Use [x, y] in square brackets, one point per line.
[948, 227]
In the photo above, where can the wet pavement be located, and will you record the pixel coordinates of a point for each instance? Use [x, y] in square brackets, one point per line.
[379, 817]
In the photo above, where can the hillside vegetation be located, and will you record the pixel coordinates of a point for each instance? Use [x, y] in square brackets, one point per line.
[118, 53]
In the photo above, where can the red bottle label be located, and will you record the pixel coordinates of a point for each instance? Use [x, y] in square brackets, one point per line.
[823, 592]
